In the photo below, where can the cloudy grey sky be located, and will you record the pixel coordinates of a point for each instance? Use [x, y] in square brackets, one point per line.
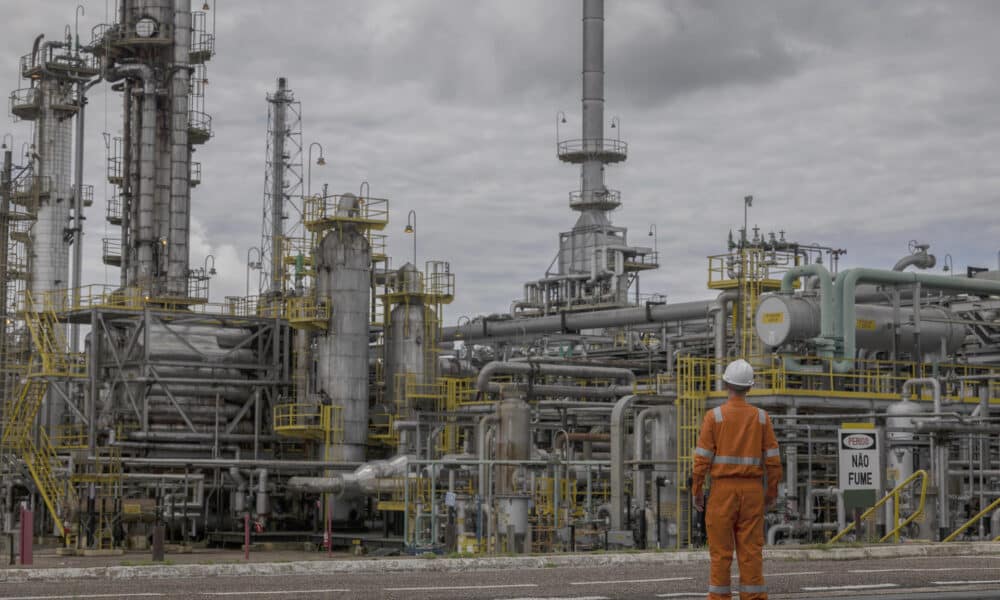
[854, 124]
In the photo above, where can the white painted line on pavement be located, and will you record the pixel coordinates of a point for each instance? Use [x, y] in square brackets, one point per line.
[460, 587]
[614, 581]
[682, 595]
[276, 592]
[965, 582]
[561, 598]
[831, 588]
[83, 596]
[793, 574]
[922, 570]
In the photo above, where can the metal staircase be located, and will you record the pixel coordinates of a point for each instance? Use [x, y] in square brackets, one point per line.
[693, 381]
[49, 360]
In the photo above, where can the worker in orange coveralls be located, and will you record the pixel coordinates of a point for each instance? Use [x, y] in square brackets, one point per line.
[736, 445]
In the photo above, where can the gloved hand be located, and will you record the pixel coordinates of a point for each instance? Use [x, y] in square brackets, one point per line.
[699, 502]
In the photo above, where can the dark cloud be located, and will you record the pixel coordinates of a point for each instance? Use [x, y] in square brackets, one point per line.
[854, 124]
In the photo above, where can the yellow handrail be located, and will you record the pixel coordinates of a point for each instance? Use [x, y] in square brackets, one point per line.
[893, 495]
[979, 515]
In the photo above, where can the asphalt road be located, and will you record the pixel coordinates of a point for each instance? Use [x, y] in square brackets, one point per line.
[950, 578]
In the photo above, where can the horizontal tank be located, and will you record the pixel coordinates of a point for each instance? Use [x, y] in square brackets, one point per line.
[783, 319]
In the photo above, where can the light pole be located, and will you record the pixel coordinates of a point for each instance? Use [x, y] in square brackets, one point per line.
[319, 161]
[747, 203]
[560, 118]
[616, 123]
[652, 234]
[411, 227]
[210, 259]
[252, 264]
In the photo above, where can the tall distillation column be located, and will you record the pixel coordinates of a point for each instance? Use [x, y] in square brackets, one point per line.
[149, 50]
[343, 279]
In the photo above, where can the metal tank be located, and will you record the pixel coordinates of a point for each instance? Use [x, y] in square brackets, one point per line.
[663, 450]
[513, 442]
[783, 319]
[900, 461]
[343, 278]
[406, 352]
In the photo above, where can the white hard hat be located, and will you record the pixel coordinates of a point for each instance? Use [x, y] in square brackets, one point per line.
[739, 373]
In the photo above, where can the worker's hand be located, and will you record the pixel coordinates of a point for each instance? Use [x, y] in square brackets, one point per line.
[769, 502]
[699, 502]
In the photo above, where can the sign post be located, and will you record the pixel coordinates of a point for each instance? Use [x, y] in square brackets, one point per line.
[860, 473]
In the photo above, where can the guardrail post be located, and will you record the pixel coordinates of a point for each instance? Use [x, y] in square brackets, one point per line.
[27, 533]
[246, 536]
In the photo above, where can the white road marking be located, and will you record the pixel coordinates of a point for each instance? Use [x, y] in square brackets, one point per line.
[561, 598]
[830, 588]
[682, 595]
[460, 587]
[965, 582]
[83, 596]
[322, 591]
[793, 574]
[614, 581]
[922, 570]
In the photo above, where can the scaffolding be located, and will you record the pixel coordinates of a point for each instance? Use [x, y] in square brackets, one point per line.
[282, 231]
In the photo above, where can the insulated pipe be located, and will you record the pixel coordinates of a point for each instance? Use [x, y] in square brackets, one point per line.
[239, 501]
[638, 445]
[569, 391]
[847, 282]
[179, 232]
[618, 458]
[531, 368]
[720, 308]
[651, 313]
[481, 451]
[939, 452]
[364, 481]
[147, 170]
[920, 260]
[774, 530]
[909, 384]
[263, 506]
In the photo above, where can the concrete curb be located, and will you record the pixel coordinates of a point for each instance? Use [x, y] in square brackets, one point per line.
[384, 565]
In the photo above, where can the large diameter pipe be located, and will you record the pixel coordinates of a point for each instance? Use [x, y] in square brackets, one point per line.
[145, 238]
[531, 368]
[179, 232]
[848, 281]
[618, 459]
[573, 322]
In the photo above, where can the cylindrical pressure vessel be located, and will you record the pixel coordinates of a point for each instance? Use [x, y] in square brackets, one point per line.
[783, 319]
[343, 272]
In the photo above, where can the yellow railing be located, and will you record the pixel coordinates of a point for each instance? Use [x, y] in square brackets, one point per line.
[309, 421]
[725, 271]
[323, 212]
[871, 379]
[307, 312]
[893, 495]
[71, 437]
[994, 506]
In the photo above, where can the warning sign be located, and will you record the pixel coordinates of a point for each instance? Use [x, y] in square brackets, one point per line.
[859, 459]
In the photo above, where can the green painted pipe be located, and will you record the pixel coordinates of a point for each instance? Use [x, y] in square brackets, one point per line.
[826, 311]
[847, 282]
